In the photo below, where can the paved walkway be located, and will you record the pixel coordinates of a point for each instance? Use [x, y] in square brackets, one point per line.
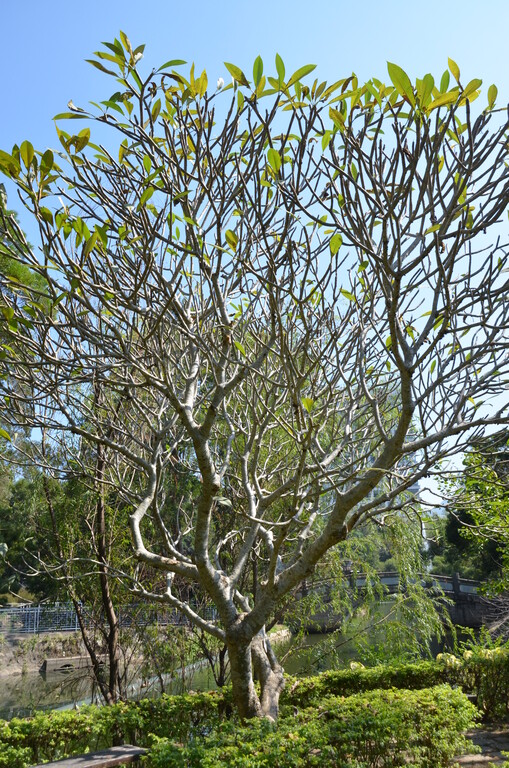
[493, 740]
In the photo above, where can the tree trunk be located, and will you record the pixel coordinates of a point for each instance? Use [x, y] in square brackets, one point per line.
[256, 654]
[270, 674]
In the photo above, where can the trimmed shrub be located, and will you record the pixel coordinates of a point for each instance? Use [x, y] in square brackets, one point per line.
[344, 682]
[50, 736]
[378, 729]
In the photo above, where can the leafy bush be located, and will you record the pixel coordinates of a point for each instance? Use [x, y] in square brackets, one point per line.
[378, 729]
[308, 690]
[50, 736]
[316, 712]
[481, 672]
[484, 673]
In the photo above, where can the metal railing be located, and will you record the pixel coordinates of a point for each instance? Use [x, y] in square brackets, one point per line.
[61, 617]
[31, 619]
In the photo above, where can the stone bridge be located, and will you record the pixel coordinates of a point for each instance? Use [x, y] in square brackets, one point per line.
[466, 607]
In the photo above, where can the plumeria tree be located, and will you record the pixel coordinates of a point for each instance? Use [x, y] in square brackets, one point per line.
[291, 290]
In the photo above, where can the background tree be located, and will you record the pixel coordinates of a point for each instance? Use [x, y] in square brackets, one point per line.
[472, 536]
[289, 289]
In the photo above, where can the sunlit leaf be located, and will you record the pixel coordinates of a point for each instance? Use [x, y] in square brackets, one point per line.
[46, 215]
[47, 161]
[27, 153]
[172, 63]
[425, 90]
[231, 238]
[492, 95]
[300, 73]
[326, 140]
[441, 101]
[401, 82]
[125, 41]
[280, 68]
[257, 70]
[308, 404]
[335, 243]
[336, 117]
[9, 164]
[274, 159]
[101, 67]
[472, 86]
[444, 82]
[81, 140]
[236, 73]
[240, 348]
[202, 84]
[454, 69]
[147, 194]
[70, 116]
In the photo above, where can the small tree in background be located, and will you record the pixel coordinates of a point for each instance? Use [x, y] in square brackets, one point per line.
[292, 291]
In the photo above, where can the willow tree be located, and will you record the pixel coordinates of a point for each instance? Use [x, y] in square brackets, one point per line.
[293, 290]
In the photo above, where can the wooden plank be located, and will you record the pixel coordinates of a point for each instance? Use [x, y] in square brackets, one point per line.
[106, 758]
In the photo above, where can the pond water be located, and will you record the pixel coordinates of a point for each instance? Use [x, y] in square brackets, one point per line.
[22, 694]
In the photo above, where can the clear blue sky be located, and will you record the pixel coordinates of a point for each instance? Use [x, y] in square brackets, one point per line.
[44, 44]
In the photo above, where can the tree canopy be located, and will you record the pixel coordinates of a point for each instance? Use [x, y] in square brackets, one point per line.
[289, 290]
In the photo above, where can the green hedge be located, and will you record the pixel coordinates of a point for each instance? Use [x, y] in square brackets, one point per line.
[483, 673]
[50, 736]
[377, 729]
[302, 692]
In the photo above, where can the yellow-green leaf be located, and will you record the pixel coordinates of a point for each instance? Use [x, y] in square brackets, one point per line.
[46, 162]
[443, 99]
[308, 404]
[46, 215]
[232, 239]
[326, 140]
[156, 108]
[257, 70]
[454, 69]
[335, 243]
[444, 82]
[425, 89]
[236, 73]
[70, 116]
[81, 140]
[336, 117]
[147, 194]
[240, 348]
[300, 73]
[280, 67]
[473, 86]
[492, 95]
[401, 82]
[274, 159]
[26, 152]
